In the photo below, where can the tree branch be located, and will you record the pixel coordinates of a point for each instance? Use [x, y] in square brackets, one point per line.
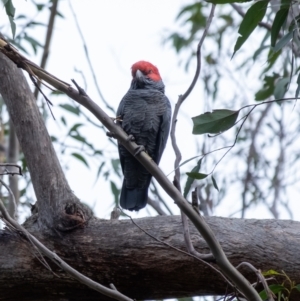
[57, 204]
[115, 251]
[221, 259]
[58, 261]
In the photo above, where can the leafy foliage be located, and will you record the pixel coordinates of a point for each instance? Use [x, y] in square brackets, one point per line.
[269, 47]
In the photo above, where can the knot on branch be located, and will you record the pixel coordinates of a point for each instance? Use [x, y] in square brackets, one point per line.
[74, 215]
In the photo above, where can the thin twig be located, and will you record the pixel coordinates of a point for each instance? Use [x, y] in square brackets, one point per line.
[261, 278]
[178, 157]
[179, 250]
[45, 56]
[89, 61]
[156, 206]
[61, 263]
[12, 198]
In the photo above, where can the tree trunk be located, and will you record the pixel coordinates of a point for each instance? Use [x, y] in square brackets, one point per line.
[116, 251]
[57, 205]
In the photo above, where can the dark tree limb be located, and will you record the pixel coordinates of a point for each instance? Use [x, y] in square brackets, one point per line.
[44, 251]
[57, 204]
[116, 251]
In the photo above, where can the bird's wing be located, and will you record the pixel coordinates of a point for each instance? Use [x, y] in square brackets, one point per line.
[164, 128]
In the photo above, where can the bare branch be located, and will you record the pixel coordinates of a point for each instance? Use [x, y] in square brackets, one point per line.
[45, 55]
[61, 263]
[13, 156]
[89, 61]
[261, 278]
[13, 200]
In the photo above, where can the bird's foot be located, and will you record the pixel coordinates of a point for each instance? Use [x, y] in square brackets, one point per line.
[130, 138]
[118, 118]
[139, 149]
[110, 135]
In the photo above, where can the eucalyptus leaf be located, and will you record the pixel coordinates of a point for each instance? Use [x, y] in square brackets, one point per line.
[80, 158]
[250, 21]
[214, 122]
[278, 22]
[190, 180]
[283, 41]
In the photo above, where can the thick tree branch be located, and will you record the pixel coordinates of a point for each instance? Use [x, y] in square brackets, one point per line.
[58, 261]
[56, 202]
[116, 251]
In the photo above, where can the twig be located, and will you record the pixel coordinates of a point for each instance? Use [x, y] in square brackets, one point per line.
[242, 14]
[8, 172]
[13, 156]
[61, 263]
[161, 200]
[89, 61]
[179, 250]
[181, 99]
[261, 278]
[53, 12]
[156, 206]
[12, 198]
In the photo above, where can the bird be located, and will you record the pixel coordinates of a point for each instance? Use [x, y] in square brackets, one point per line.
[144, 113]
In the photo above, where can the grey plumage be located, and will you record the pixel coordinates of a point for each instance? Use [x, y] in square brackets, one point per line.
[145, 113]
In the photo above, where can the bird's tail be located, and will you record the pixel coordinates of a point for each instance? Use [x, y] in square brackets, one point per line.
[135, 198]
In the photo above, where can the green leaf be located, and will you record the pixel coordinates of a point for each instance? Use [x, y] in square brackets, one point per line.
[9, 8]
[81, 139]
[115, 191]
[72, 109]
[80, 158]
[12, 26]
[75, 127]
[279, 20]
[268, 88]
[270, 273]
[100, 169]
[197, 175]
[214, 122]
[297, 287]
[214, 183]
[10, 11]
[116, 165]
[250, 21]
[283, 41]
[190, 180]
[281, 87]
[63, 120]
[275, 288]
[33, 42]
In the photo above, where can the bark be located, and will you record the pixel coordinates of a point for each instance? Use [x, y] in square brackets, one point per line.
[57, 205]
[13, 157]
[120, 253]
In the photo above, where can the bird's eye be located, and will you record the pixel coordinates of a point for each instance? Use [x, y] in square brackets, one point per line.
[150, 71]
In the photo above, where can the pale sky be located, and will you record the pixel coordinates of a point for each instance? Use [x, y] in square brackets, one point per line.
[119, 33]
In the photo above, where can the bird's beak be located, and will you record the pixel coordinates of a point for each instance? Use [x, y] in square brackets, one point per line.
[139, 74]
